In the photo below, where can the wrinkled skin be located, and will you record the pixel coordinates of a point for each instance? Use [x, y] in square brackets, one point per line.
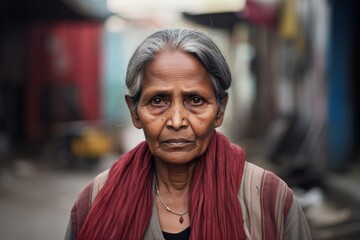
[177, 110]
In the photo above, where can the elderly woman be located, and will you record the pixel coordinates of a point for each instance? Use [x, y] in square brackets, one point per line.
[186, 181]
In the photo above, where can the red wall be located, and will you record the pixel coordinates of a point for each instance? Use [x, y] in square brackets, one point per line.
[63, 64]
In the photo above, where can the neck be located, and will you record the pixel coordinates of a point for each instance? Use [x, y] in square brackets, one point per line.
[172, 190]
[174, 178]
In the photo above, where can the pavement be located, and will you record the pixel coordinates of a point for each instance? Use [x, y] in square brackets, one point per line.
[35, 201]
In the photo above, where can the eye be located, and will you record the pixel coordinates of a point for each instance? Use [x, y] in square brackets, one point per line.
[157, 101]
[196, 101]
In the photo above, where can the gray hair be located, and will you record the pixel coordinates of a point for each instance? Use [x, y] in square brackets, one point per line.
[187, 40]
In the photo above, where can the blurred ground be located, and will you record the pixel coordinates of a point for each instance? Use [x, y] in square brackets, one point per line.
[35, 201]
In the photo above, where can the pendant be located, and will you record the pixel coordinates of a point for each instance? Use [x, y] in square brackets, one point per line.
[181, 220]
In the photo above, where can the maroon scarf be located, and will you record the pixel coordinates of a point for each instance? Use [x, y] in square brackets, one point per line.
[123, 207]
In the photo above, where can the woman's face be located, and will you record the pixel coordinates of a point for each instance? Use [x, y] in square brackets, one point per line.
[177, 108]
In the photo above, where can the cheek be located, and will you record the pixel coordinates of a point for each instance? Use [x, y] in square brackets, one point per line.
[203, 132]
[203, 125]
[152, 126]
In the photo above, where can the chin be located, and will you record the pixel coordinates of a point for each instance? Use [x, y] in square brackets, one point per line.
[178, 158]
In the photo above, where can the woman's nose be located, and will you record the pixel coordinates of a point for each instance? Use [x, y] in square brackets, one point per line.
[177, 118]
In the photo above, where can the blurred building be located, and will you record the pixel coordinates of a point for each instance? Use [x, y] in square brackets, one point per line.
[293, 63]
[287, 55]
[50, 66]
[293, 100]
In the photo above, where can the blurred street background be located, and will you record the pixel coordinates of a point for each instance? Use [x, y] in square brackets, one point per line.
[294, 105]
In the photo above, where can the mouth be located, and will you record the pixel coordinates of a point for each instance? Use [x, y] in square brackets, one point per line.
[176, 143]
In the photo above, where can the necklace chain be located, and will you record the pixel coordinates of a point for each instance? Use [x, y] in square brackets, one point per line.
[167, 207]
[181, 219]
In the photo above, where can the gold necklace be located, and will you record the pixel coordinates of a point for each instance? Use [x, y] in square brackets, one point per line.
[181, 219]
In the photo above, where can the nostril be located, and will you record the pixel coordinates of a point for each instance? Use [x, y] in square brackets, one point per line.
[177, 122]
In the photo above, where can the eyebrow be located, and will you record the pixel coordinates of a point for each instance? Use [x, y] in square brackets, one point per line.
[154, 91]
[194, 93]
[167, 92]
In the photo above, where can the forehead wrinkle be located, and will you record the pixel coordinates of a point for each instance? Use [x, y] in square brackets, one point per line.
[175, 72]
[183, 66]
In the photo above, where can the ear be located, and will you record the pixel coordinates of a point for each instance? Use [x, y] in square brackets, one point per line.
[134, 116]
[220, 115]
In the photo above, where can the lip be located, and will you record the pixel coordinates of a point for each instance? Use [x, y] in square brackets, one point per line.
[177, 143]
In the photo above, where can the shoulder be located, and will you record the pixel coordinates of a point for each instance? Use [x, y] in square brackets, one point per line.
[263, 182]
[265, 201]
[270, 189]
[85, 200]
[98, 183]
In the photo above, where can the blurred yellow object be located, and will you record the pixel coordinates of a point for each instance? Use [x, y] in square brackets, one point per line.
[91, 144]
[290, 26]
[289, 23]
